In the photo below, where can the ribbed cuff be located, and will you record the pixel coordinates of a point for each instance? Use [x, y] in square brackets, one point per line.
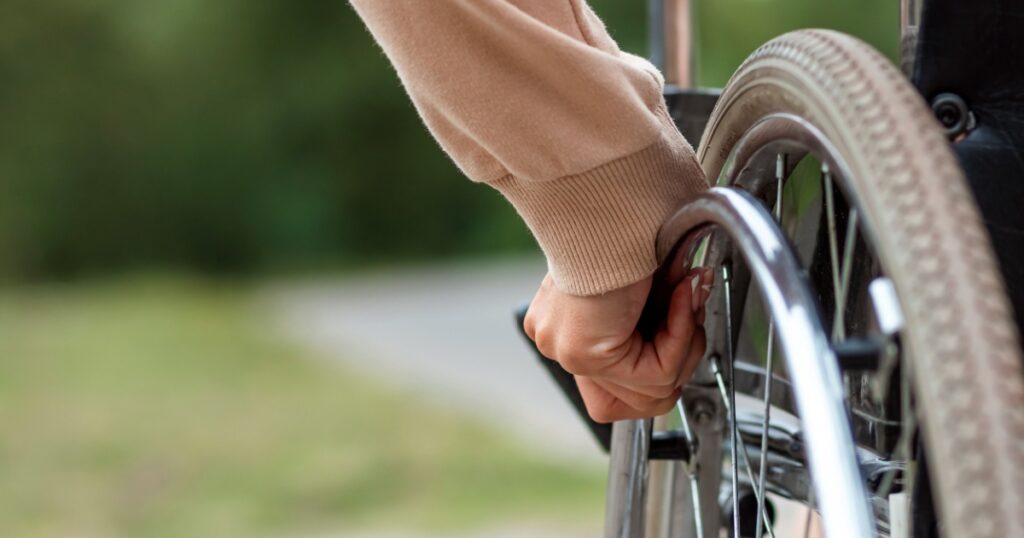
[598, 228]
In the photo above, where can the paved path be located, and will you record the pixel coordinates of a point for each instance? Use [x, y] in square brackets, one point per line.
[446, 334]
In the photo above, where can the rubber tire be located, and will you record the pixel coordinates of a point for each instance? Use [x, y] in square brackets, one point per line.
[928, 235]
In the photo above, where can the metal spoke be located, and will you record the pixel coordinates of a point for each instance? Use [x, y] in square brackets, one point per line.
[830, 216]
[780, 172]
[727, 393]
[902, 451]
[730, 400]
[839, 320]
[698, 521]
[763, 464]
[840, 274]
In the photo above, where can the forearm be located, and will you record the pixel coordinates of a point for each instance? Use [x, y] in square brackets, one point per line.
[535, 99]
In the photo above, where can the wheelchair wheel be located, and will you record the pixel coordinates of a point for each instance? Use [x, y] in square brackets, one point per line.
[864, 374]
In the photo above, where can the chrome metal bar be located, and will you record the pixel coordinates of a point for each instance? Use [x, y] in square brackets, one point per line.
[660, 492]
[708, 467]
[810, 362]
[627, 479]
[691, 468]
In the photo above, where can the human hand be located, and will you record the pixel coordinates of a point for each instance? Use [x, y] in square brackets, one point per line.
[619, 374]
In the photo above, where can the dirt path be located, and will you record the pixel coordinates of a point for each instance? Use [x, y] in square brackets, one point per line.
[446, 334]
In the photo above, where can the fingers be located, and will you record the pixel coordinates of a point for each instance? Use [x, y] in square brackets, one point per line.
[619, 374]
[698, 344]
[670, 360]
[673, 339]
[659, 363]
[635, 399]
[696, 353]
[587, 334]
[604, 405]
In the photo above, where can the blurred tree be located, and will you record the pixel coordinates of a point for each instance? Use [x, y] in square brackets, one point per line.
[239, 136]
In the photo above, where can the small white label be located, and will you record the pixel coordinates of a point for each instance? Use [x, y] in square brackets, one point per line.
[887, 305]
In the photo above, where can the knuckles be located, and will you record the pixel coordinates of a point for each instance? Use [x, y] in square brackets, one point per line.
[544, 338]
[575, 362]
[584, 356]
[530, 324]
[572, 353]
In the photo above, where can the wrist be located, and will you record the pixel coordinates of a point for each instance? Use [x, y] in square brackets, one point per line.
[598, 228]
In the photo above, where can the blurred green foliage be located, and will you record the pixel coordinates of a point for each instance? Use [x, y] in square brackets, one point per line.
[239, 136]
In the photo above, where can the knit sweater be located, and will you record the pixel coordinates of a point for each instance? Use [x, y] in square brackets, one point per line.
[535, 99]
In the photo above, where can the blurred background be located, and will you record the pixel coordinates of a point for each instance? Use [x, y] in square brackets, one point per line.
[244, 293]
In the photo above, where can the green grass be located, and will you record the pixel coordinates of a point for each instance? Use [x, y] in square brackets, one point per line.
[166, 407]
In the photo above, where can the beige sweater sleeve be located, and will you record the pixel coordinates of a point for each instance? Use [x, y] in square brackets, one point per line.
[534, 98]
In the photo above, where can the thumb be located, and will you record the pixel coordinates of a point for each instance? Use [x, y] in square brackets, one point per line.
[672, 342]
